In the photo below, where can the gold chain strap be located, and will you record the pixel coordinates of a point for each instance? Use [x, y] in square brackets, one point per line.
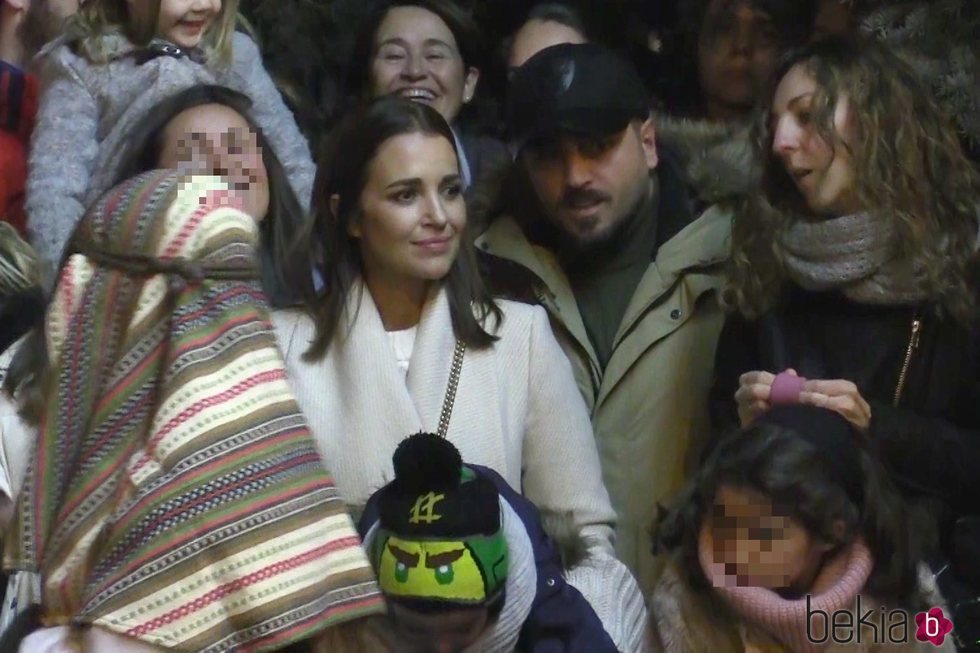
[447, 404]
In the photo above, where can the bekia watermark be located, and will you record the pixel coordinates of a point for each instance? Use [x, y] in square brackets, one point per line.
[932, 626]
[875, 625]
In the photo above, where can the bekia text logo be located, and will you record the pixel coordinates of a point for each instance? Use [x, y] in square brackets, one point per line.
[877, 626]
[932, 626]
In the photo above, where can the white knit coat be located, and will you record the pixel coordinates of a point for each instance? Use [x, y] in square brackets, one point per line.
[517, 408]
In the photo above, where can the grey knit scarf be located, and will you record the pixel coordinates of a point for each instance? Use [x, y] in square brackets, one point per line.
[854, 254]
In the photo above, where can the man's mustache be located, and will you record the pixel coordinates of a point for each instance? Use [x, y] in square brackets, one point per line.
[576, 197]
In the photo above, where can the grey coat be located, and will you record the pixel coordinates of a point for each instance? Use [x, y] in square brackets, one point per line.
[87, 111]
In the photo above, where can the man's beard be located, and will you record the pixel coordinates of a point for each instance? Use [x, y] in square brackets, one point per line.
[41, 25]
[576, 251]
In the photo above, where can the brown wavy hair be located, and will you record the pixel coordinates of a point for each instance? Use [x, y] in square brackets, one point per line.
[909, 168]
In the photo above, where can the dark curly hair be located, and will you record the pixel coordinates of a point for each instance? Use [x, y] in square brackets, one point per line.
[777, 462]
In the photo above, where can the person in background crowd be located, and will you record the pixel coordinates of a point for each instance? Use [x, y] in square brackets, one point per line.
[732, 47]
[596, 221]
[427, 51]
[158, 320]
[547, 24]
[117, 60]
[485, 576]
[791, 522]
[25, 26]
[404, 333]
[834, 18]
[853, 278]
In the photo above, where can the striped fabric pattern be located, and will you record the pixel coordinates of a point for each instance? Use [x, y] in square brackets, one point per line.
[176, 495]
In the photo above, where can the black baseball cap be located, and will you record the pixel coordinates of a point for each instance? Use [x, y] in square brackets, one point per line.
[581, 88]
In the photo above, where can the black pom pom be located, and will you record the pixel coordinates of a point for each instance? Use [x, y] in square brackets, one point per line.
[425, 462]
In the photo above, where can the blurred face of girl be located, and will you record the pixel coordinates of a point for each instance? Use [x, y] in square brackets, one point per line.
[184, 22]
[822, 172]
[411, 211]
[416, 57]
[213, 139]
[759, 545]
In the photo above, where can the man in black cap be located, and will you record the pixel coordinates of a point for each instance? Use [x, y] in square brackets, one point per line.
[596, 222]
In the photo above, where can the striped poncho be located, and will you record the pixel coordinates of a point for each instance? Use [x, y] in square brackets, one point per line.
[176, 495]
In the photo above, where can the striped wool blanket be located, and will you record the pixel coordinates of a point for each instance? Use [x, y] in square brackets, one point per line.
[176, 495]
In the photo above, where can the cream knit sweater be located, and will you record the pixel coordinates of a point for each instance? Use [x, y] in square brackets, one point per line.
[517, 408]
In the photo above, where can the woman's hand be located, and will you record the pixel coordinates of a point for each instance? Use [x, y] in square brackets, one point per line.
[752, 396]
[840, 396]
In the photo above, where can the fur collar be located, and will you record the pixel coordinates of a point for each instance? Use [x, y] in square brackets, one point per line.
[716, 160]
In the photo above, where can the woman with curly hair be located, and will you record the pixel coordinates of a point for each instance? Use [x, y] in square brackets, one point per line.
[852, 277]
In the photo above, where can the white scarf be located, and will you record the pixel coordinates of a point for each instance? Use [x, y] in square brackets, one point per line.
[371, 406]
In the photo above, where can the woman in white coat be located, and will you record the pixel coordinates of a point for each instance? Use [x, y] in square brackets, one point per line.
[403, 336]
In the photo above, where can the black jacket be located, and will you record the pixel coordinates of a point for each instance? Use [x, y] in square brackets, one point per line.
[930, 439]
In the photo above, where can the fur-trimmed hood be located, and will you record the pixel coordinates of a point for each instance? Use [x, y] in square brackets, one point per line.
[715, 159]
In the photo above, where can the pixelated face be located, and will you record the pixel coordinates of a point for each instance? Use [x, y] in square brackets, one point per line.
[416, 57]
[737, 52]
[184, 22]
[587, 186]
[412, 212]
[448, 631]
[823, 173]
[536, 35]
[758, 544]
[214, 139]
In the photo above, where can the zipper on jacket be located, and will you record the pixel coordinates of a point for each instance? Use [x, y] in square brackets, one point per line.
[547, 300]
[913, 345]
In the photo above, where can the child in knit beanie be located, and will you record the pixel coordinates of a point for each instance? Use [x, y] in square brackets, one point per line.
[791, 529]
[465, 565]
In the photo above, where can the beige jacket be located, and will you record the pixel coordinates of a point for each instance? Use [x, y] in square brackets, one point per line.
[516, 410]
[649, 405]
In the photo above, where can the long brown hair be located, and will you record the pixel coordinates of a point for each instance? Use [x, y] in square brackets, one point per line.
[97, 17]
[909, 169]
[327, 246]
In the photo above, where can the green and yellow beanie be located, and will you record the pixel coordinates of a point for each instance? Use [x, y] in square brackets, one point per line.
[440, 542]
